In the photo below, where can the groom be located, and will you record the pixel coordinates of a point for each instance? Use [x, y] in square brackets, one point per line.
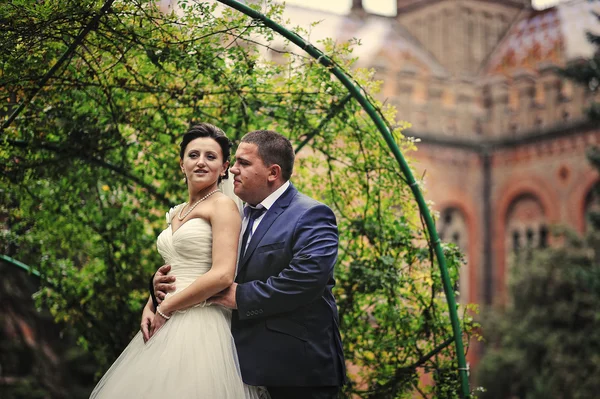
[285, 320]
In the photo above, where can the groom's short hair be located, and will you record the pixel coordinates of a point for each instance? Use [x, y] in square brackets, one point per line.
[273, 148]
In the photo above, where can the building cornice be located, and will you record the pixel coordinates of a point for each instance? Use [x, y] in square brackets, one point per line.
[491, 145]
[416, 5]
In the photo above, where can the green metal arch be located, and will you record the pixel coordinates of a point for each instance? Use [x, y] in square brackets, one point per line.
[383, 129]
[21, 265]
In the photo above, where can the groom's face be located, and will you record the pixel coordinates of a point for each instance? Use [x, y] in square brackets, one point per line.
[250, 175]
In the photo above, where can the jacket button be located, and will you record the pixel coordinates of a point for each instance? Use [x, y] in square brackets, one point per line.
[260, 311]
[247, 313]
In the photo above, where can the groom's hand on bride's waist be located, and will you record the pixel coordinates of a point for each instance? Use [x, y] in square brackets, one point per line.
[163, 283]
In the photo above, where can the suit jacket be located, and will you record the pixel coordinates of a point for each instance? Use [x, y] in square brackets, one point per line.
[286, 326]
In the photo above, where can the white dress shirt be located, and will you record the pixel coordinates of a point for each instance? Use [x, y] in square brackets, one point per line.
[267, 203]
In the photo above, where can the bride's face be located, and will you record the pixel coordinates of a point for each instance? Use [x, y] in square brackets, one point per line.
[202, 162]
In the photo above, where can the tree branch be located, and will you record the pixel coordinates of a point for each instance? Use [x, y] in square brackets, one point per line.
[65, 57]
[99, 162]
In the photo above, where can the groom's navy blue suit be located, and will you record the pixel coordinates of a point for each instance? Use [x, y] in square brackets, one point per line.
[286, 326]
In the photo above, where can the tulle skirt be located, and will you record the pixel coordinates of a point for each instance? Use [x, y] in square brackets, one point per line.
[192, 356]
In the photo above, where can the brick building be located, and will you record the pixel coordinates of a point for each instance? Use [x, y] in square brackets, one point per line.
[503, 136]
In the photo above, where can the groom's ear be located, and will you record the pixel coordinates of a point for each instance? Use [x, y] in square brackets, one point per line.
[274, 173]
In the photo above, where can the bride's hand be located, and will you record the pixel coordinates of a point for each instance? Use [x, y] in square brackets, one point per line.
[147, 316]
[157, 322]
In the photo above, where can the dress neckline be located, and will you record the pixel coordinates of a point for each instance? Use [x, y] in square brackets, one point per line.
[186, 222]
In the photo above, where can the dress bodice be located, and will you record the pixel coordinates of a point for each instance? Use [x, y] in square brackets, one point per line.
[188, 250]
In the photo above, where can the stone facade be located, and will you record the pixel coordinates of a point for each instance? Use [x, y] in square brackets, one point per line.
[503, 136]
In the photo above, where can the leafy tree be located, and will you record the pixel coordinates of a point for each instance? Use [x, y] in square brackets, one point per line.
[587, 72]
[88, 166]
[546, 343]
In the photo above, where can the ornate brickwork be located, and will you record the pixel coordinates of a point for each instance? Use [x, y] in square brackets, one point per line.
[503, 135]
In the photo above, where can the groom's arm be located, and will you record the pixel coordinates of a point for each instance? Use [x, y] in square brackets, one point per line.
[315, 250]
[151, 288]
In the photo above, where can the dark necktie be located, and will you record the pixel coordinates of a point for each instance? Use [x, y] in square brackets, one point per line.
[254, 213]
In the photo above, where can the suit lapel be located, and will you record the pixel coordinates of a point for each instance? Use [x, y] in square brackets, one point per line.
[265, 224]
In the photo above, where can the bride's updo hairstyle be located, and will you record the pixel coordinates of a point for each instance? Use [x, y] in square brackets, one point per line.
[207, 130]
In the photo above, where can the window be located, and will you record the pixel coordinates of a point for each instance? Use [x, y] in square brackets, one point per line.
[592, 204]
[452, 227]
[526, 225]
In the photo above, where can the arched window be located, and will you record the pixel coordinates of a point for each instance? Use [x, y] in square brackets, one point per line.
[592, 204]
[526, 225]
[452, 227]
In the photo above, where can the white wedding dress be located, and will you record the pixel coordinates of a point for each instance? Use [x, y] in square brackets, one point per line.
[193, 355]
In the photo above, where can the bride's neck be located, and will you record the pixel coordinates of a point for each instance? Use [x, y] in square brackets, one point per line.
[195, 195]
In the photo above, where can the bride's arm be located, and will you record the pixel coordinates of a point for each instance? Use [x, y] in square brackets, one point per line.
[226, 224]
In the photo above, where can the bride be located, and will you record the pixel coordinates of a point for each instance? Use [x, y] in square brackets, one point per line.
[185, 348]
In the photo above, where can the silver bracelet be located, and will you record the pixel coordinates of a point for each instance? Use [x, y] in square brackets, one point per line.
[162, 314]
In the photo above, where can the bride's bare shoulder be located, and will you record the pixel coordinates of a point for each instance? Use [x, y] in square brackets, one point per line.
[228, 203]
